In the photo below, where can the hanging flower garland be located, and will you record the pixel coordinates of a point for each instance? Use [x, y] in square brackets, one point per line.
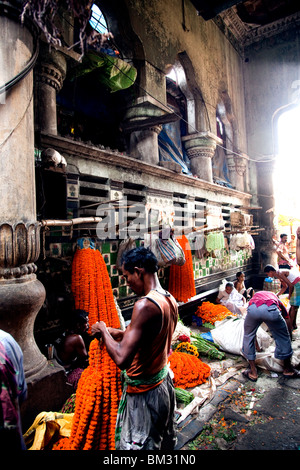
[99, 388]
[91, 287]
[181, 279]
[210, 313]
[96, 405]
[189, 371]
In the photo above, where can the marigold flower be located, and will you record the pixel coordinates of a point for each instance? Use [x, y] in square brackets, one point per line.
[210, 313]
[99, 387]
[181, 279]
[189, 371]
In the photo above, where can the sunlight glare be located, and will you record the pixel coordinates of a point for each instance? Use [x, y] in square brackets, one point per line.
[287, 168]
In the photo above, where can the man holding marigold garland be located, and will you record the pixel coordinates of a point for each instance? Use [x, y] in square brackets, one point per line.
[146, 412]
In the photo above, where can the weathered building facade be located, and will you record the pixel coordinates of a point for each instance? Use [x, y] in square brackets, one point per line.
[183, 128]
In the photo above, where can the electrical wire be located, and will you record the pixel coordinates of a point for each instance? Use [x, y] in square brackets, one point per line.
[28, 67]
[181, 117]
[184, 120]
[32, 62]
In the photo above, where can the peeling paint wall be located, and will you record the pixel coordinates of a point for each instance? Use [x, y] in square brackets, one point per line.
[165, 30]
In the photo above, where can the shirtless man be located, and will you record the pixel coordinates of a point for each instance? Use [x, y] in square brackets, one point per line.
[146, 422]
[284, 260]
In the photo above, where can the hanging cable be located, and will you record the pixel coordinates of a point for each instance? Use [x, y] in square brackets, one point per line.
[13, 12]
[238, 154]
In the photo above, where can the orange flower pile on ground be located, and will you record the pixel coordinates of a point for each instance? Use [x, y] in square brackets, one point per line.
[99, 387]
[210, 313]
[189, 371]
[181, 279]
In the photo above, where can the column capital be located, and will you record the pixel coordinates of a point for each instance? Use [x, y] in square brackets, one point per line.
[204, 139]
[200, 149]
[19, 249]
[51, 68]
[146, 113]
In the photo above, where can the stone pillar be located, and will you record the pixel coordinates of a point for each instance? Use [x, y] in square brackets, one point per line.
[237, 167]
[144, 145]
[200, 149]
[266, 199]
[50, 73]
[21, 294]
[142, 124]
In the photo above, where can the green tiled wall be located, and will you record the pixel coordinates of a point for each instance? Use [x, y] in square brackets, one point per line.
[222, 261]
[202, 267]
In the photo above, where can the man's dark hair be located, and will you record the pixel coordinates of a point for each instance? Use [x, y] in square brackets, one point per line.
[79, 316]
[139, 258]
[229, 284]
[269, 268]
[283, 235]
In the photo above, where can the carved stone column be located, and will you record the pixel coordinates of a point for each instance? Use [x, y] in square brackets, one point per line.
[200, 149]
[142, 124]
[50, 73]
[144, 145]
[237, 167]
[21, 293]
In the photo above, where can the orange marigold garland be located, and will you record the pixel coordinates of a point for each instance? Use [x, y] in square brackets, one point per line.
[99, 387]
[189, 371]
[92, 288]
[181, 279]
[210, 313]
[96, 405]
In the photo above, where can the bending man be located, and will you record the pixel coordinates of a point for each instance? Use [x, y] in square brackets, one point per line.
[266, 307]
[146, 413]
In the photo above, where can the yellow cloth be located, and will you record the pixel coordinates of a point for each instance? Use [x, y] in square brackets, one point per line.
[45, 427]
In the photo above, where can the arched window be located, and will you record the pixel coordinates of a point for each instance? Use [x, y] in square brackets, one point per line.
[287, 165]
[169, 140]
[97, 20]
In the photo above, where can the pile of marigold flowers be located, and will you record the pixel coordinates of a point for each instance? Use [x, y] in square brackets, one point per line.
[189, 371]
[210, 313]
[99, 387]
[181, 279]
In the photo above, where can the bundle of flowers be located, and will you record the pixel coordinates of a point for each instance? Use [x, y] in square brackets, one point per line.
[187, 347]
[183, 396]
[181, 279]
[99, 388]
[184, 338]
[210, 313]
[189, 371]
[207, 348]
[180, 330]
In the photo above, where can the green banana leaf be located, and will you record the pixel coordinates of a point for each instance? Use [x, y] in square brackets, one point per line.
[111, 71]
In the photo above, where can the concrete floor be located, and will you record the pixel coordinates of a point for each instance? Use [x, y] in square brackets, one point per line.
[273, 422]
